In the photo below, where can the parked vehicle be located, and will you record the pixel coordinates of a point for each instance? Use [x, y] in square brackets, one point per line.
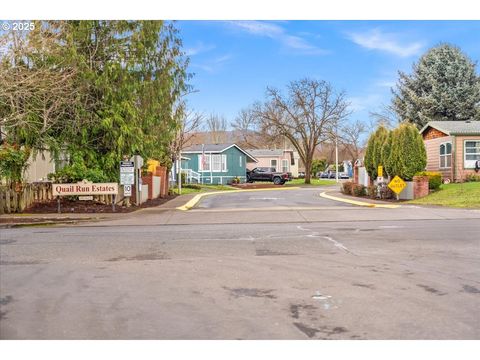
[301, 175]
[343, 175]
[323, 175]
[268, 174]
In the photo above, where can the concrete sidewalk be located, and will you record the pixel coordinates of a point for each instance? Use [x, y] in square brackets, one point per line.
[16, 220]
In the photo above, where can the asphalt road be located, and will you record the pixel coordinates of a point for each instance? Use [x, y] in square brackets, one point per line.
[278, 199]
[370, 278]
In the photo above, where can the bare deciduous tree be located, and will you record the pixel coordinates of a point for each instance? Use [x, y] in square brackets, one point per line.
[216, 125]
[351, 138]
[307, 116]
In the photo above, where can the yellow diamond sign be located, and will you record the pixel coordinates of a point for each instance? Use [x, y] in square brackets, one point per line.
[397, 185]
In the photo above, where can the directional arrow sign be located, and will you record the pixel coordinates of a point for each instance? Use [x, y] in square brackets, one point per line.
[397, 185]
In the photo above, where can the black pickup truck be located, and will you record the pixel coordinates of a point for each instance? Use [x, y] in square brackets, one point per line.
[268, 174]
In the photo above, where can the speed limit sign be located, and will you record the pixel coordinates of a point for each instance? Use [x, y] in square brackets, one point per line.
[127, 190]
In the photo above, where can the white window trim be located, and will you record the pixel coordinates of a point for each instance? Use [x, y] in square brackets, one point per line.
[276, 166]
[223, 159]
[472, 162]
[285, 161]
[445, 155]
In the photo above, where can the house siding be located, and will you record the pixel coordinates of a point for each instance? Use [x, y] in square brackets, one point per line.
[460, 171]
[234, 169]
[432, 147]
[265, 161]
[432, 133]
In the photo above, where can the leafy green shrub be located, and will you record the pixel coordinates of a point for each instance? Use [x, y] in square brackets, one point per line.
[472, 178]
[358, 190]
[434, 179]
[13, 162]
[78, 171]
[192, 186]
[347, 188]
[373, 154]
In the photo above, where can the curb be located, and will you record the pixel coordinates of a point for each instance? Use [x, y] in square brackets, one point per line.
[359, 203]
[42, 223]
[192, 202]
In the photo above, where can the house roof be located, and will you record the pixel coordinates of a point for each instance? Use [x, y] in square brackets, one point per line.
[454, 127]
[265, 152]
[216, 148]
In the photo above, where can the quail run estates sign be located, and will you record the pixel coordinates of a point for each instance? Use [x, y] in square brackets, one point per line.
[85, 188]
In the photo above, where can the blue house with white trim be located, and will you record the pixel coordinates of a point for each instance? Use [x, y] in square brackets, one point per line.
[215, 163]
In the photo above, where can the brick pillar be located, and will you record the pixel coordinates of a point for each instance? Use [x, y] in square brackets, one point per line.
[161, 171]
[420, 186]
[148, 180]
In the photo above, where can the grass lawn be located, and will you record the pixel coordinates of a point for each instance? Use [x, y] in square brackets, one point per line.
[463, 195]
[203, 188]
[314, 182]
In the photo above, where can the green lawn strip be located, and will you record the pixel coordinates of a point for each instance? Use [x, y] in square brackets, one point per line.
[314, 182]
[463, 195]
[203, 188]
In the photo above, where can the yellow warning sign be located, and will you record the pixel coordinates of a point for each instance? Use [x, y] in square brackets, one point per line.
[397, 185]
[380, 170]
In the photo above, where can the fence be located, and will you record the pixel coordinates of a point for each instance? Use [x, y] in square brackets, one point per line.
[12, 201]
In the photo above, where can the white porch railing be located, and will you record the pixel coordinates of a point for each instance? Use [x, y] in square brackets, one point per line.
[191, 175]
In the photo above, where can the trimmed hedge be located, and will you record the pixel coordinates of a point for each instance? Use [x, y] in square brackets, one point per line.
[434, 179]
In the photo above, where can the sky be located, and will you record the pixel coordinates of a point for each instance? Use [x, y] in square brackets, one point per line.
[233, 62]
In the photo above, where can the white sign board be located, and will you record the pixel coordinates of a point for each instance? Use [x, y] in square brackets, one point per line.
[127, 179]
[127, 173]
[88, 197]
[85, 188]
[127, 190]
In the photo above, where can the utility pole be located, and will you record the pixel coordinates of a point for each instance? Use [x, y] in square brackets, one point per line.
[179, 175]
[336, 151]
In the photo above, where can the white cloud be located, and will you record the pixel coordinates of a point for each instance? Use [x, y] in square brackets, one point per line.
[278, 33]
[199, 48]
[375, 39]
[369, 101]
[213, 65]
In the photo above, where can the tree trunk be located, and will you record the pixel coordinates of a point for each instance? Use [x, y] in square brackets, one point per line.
[308, 170]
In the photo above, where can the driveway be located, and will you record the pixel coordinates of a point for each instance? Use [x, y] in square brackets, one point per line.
[286, 198]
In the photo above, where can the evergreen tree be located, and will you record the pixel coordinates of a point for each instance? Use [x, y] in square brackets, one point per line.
[408, 155]
[373, 154]
[443, 86]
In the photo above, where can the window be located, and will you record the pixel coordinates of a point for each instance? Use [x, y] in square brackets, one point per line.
[224, 163]
[217, 162]
[273, 164]
[284, 165]
[204, 162]
[472, 153]
[240, 160]
[445, 155]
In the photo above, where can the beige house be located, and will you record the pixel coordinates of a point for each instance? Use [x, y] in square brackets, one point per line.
[453, 148]
[39, 167]
[281, 160]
